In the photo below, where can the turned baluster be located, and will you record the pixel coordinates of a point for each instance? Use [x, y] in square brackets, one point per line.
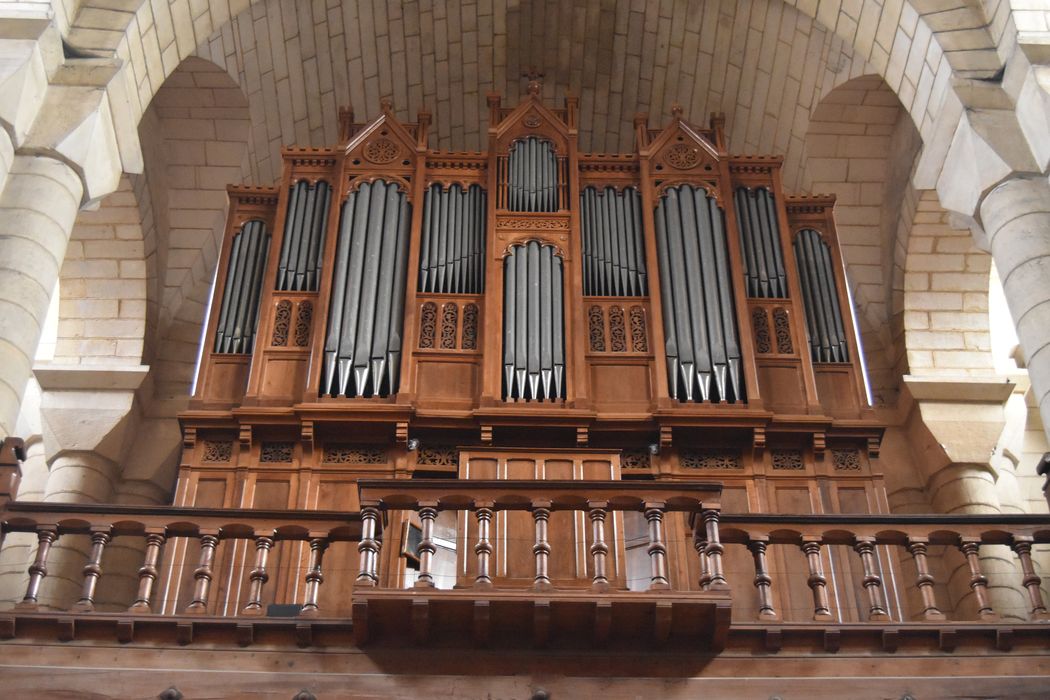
[599, 549]
[203, 575]
[483, 549]
[541, 514]
[148, 572]
[368, 548]
[865, 547]
[38, 569]
[714, 551]
[92, 570]
[817, 583]
[924, 580]
[1023, 546]
[259, 576]
[654, 514]
[314, 577]
[700, 545]
[970, 547]
[427, 515]
[763, 581]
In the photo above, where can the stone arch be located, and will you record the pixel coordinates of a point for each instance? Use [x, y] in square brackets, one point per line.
[916, 46]
[195, 142]
[861, 146]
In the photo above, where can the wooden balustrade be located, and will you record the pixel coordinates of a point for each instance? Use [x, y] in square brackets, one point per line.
[850, 560]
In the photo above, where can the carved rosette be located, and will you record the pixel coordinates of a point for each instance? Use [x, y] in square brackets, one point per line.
[596, 328]
[427, 325]
[381, 151]
[782, 328]
[760, 323]
[449, 321]
[639, 340]
[683, 156]
[281, 323]
[617, 330]
[469, 337]
[303, 321]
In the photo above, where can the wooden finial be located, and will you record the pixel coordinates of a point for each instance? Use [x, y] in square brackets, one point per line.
[535, 84]
[676, 110]
[387, 105]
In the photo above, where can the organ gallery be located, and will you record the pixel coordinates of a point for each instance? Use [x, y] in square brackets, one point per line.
[530, 397]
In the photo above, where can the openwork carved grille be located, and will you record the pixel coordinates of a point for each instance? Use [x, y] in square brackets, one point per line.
[281, 323]
[617, 330]
[438, 456]
[449, 321]
[218, 450]
[710, 459]
[276, 452]
[302, 324]
[634, 459]
[787, 460]
[427, 324]
[596, 326]
[639, 341]
[354, 454]
[846, 460]
[782, 326]
[760, 322]
[469, 337]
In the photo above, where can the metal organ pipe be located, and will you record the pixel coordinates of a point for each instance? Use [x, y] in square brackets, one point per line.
[760, 241]
[299, 267]
[453, 241]
[701, 344]
[239, 310]
[533, 324]
[363, 340]
[613, 248]
[827, 335]
[533, 177]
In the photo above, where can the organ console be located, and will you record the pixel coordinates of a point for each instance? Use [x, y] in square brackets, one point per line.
[530, 312]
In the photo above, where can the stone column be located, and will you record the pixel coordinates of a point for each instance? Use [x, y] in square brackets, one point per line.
[38, 206]
[1016, 219]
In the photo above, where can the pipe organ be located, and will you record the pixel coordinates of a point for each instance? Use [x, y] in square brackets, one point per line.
[668, 313]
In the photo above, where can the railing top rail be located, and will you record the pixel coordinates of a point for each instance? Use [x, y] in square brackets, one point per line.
[466, 494]
[885, 528]
[174, 521]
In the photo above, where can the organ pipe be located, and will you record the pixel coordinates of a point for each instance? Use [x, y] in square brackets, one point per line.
[760, 241]
[363, 341]
[533, 324]
[701, 345]
[827, 335]
[299, 267]
[239, 311]
[613, 247]
[533, 176]
[452, 245]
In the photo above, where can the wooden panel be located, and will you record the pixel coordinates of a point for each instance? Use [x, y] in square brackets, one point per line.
[835, 386]
[446, 381]
[782, 385]
[615, 384]
[283, 377]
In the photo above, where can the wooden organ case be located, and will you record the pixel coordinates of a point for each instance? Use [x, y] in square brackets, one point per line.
[530, 312]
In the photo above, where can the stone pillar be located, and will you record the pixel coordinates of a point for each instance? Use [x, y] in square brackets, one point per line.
[1016, 220]
[38, 206]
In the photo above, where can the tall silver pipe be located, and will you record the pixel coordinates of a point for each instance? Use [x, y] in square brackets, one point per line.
[725, 296]
[521, 317]
[397, 304]
[533, 330]
[317, 237]
[352, 298]
[228, 293]
[509, 324]
[429, 204]
[546, 322]
[335, 311]
[772, 228]
[236, 328]
[667, 296]
[292, 225]
[258, 269]
[557, 301]
[384, 291]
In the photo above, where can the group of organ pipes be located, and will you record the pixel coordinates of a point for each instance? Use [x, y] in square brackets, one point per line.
[672, 306]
